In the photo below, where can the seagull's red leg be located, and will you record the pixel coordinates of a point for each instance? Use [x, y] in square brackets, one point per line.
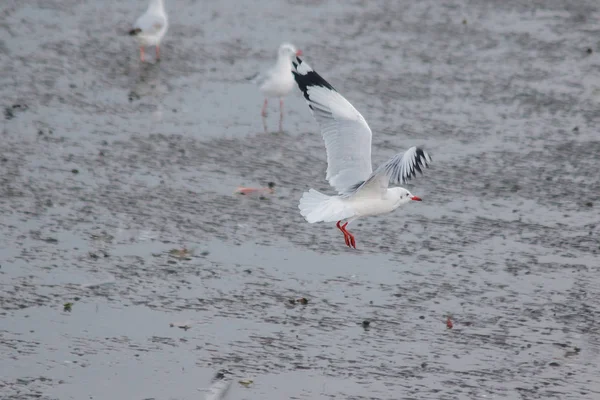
[349, 237]
[264, 109]
[281, 115]
[157, 52]
[142, 53]
[352, 240]
[344, 232]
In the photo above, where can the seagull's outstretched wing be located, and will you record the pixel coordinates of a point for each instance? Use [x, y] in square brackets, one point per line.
[396, 171]
[345, 132]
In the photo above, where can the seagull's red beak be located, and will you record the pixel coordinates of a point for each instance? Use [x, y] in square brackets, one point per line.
[298, 53]
[415, 198]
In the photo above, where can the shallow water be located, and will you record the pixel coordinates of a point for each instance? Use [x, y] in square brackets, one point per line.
[108, 165]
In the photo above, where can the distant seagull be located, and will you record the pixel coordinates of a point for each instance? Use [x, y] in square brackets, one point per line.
[278, 81]
[150, 27]
[347, 137]
[219, 386]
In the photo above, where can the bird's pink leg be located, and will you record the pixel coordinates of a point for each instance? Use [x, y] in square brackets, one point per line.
[346, 239]
[345, 236]
[264, 109]
[142, 53]
[281, 115]
[157, 52]
[350, 237]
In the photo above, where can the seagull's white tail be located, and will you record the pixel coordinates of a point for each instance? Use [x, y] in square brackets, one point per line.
[316, 207]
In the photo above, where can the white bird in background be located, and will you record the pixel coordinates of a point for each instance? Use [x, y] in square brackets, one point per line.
[219, 386]
[278, 81]
[150, 27]
[347, 137]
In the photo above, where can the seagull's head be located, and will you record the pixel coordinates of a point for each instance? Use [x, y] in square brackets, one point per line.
[288, 50]
[403, 196]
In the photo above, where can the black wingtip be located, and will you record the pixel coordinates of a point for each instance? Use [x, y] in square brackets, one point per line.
[422, 159]
[134, 32]
[306, 77]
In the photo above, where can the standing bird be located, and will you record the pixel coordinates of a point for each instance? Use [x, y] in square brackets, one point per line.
[278, 81]
[347, 137]
[150, 27]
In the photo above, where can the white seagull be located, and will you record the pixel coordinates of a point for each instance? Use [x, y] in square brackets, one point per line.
[347, 137]
[150, 27]
[278, 81]
[219, 386]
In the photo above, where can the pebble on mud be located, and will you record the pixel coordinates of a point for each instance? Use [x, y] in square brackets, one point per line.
[554, 364]
[181, 254]
[301, 300]
[589, 204]
[366, 324]
[181, 325]
[75, 171]
[572, 353]
[246, 382]
[8, 113]
[589, 50]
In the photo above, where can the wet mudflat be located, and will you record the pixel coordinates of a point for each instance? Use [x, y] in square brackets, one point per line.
[116, 195]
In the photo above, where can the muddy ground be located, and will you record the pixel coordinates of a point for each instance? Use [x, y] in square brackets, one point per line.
[110, 168]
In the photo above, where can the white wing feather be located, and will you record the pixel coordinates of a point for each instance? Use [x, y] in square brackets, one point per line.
[398, 170]
[346, 134]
